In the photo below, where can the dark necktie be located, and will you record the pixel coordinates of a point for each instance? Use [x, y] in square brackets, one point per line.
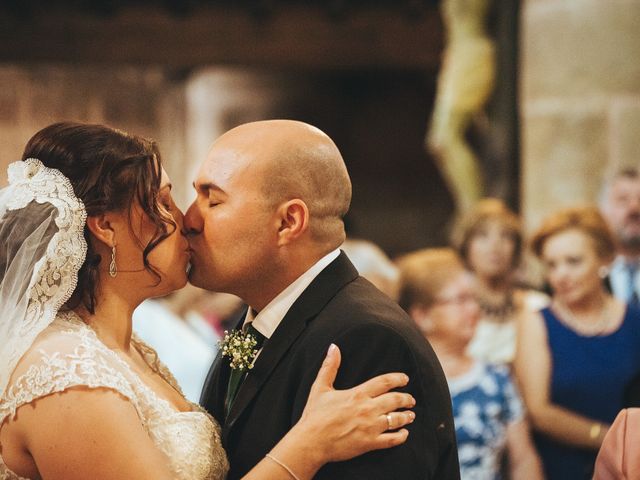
[237, 376]
[632, 268]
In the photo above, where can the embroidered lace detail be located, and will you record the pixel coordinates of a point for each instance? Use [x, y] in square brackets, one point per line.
[151, 357]
[56, 274]
[68, 353]
[58, 372]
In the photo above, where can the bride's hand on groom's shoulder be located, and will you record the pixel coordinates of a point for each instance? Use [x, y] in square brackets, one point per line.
[348, 423]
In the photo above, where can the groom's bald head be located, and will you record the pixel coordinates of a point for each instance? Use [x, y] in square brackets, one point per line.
[296, 160]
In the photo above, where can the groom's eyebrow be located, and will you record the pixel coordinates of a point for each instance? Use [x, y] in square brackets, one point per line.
[205, 188]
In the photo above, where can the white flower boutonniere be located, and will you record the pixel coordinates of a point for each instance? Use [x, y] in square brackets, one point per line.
[241, 349]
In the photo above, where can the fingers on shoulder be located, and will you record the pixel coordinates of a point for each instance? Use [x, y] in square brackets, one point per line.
[384, 383]
[391, 439]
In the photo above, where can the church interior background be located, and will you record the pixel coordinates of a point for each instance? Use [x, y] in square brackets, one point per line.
[564, 108]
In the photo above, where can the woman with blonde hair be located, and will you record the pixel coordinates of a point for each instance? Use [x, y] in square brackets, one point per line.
[575, 358]
[489, 418]
[489, 240]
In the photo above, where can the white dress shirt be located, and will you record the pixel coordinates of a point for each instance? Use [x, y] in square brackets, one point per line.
[268, 319]
[620, 281]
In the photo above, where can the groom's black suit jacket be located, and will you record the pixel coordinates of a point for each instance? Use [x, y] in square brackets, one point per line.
[375, 336]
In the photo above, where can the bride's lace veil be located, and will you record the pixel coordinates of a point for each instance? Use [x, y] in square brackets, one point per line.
[42, 248]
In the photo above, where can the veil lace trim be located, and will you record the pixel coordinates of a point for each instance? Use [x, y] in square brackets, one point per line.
[55, 275]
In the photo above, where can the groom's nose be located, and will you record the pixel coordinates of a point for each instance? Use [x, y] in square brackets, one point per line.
[192, 220]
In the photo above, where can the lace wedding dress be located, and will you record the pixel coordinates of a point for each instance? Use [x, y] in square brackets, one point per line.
[44, 350]
[69, 354]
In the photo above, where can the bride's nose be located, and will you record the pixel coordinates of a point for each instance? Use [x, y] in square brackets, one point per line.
[178, 217]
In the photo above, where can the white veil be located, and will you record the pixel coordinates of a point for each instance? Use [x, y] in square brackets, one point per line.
[42, 248]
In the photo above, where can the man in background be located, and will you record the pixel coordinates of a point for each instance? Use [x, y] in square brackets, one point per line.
[620, 205]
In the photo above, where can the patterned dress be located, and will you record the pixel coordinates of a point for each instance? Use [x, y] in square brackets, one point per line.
[485, 403]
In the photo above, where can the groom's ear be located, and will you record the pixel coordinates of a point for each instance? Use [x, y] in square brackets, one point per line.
[102, 228]
[293, 218]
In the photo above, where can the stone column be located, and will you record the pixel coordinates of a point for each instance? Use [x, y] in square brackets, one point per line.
[580, 99]
[216, 100]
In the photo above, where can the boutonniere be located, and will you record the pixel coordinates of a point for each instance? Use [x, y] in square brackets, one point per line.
[241, 348]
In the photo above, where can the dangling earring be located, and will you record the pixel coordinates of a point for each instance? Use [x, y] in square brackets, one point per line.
[113, 270]
[603, 271]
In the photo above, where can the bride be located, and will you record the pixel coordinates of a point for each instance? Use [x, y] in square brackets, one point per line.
[89, 230]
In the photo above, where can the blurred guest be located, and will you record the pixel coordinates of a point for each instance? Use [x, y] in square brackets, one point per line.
[619, 456]
[439, 295]
[215, 311]
[185, 353]
[489, 240]
[575, 358]
[207, 313]
[373, 264]
[620, 204]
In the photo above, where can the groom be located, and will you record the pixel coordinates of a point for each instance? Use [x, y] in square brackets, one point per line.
[267, 225]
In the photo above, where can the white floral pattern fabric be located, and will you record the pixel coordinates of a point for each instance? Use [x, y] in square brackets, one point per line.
[68, 354]
[485, 403]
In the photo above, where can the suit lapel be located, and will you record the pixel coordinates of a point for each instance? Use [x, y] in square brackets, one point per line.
[213, 394]
[215, 380]
[324, 287]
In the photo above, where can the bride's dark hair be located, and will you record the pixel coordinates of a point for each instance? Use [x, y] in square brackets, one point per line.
[109, 170]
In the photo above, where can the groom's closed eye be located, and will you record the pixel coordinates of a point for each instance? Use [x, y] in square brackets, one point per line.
[215, 198]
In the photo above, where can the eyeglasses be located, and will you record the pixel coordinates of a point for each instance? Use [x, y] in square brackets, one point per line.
[457, 300]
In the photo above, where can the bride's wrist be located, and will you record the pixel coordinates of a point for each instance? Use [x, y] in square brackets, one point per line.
[298, 453]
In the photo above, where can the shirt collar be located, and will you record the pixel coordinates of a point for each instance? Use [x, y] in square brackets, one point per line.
[619, 278]
[270, 316]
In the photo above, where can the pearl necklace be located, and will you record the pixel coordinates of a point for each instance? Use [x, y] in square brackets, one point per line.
[567, 317]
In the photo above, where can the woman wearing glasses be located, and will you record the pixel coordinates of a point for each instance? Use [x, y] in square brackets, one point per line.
[489, 418]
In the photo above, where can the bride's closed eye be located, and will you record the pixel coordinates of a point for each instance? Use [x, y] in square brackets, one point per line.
[165, 202]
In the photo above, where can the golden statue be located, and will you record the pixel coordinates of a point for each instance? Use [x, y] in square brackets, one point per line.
[465, 83]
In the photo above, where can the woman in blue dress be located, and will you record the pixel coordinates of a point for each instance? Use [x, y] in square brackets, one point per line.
[575, 358]
[489, 418]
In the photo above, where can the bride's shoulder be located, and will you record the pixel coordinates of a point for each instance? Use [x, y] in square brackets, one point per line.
[66, 353]
[66, 335]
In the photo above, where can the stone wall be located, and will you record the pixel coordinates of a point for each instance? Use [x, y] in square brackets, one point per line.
[580, 99]
[183, 113]
[146, 102]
